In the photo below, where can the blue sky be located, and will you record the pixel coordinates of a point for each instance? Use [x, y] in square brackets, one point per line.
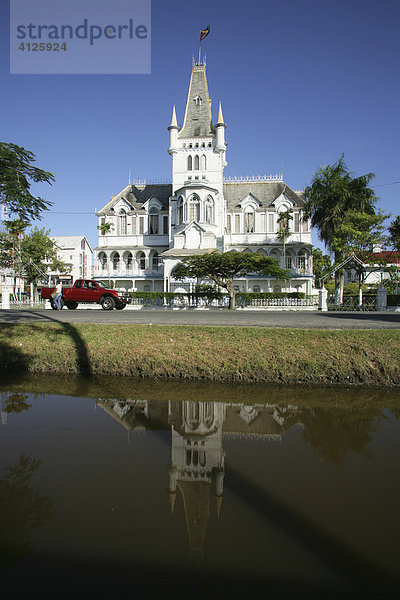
[301, 82]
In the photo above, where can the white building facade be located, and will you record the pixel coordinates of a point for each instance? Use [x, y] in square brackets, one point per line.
[146, 230]
[76, 252]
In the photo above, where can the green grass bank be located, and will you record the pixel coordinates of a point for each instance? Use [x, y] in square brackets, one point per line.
[225, 354]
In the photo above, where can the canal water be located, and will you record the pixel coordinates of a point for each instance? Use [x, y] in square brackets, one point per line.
[147, 490]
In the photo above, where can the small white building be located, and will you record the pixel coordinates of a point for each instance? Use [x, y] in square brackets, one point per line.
[10, 283]
[76, 252]
[145, 230]
[376, 268]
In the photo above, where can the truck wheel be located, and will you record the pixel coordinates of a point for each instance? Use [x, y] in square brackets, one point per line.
[71, 305]
[107, 303]
[120, 306]
[53, 306]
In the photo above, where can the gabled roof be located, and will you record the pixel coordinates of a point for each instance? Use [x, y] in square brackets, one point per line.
[265, 192]
[137, 195]
[191, 225]
[69, 242]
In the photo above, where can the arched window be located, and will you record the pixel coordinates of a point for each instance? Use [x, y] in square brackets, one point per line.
[141, 260]
[196, 163]
[249, 221]
[128, 261]
[115, 261]
[208, 409]
[288, 261]
[122, 222]
[189, 163]
[302, 260]
[193, 414]
[209, 210]
[277, 255]
[153, 221]
[155, 260]
[180, 210]
[203, 163]
[103, 260]
[194, 208]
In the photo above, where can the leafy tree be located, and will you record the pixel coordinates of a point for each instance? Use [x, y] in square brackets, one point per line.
[322, 264]
[22, 509]
[394, 233]
[334, 432]
[333, 192]
[358, 233]
[16, 403]
[208, 293]
[10, 247]
[38, 253]
[222, 268]
[17, 173]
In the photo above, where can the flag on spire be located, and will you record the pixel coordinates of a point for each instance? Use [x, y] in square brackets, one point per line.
[204, 32]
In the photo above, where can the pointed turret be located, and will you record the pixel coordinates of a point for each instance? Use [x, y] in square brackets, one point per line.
[174, 123]
[173, 131]
[220, 118]
[220, 128]
[219, 504]
[172, 499]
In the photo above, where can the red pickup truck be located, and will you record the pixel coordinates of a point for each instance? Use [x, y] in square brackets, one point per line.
[88, 291]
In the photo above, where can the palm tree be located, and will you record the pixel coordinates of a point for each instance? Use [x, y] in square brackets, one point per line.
[334, 191]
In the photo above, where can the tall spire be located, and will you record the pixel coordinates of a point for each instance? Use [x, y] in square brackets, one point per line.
[197, 121]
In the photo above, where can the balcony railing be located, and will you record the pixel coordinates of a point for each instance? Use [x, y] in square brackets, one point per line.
[134, 271]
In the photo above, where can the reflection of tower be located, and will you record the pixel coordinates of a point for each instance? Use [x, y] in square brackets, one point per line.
[197, 462]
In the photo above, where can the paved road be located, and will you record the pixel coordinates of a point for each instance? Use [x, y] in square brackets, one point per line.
[253, 318]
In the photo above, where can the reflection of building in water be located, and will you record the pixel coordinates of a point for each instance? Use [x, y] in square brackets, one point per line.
[197, 462]
[131, 414]
[261, 421]
[197, 457]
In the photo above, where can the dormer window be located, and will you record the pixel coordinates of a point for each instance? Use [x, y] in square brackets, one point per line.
[153, 221]
[121, 222]
[249, 221]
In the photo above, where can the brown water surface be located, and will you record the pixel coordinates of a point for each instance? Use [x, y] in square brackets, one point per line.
[178, 490]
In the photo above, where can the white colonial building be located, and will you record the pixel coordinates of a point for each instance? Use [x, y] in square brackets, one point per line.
[146, 229]
[76, 252]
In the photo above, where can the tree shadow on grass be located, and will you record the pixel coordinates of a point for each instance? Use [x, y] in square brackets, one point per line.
[14, 360]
